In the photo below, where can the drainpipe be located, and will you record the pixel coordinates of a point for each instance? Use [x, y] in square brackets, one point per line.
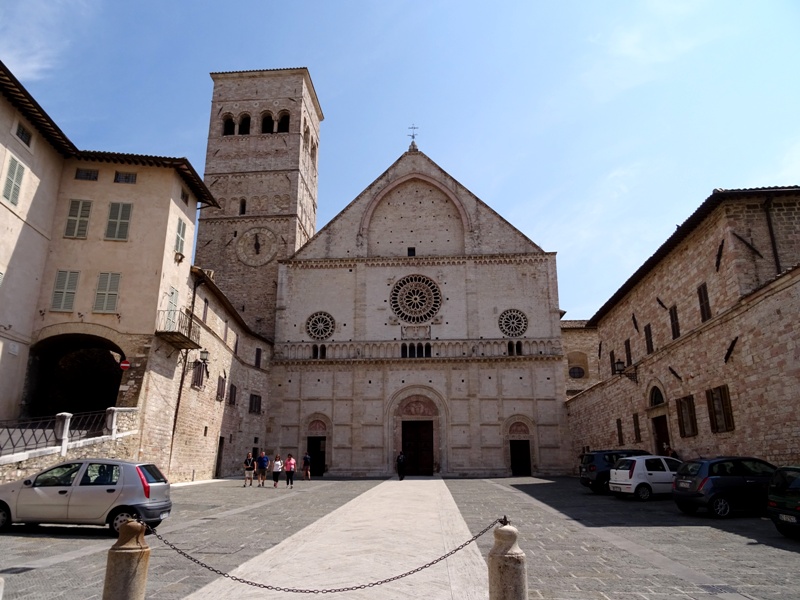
[185, 360]
[767, 206]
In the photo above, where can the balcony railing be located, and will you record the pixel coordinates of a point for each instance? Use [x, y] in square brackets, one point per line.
[31, 434]
[178, 328]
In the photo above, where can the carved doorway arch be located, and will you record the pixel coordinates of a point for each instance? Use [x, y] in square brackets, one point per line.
[417, 433]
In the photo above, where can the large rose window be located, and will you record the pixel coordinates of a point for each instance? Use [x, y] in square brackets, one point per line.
[415, 299]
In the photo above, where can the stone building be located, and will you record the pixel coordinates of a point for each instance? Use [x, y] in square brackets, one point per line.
[96, 304]
[699, 349]
[417, 319]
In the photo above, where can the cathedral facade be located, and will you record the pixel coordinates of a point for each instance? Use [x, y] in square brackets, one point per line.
[416, 320]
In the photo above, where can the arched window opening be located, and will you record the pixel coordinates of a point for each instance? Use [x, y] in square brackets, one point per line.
[306, 138]
[283, 123]
[267, 124]
[511, 348]
[314, 351]
[244, 125]
[228, 126]
[314, 153]
[427, 350]
[403, 351]
[322, 351]
[519, 348]
[242, 206]
[412, 351]
[656, 397]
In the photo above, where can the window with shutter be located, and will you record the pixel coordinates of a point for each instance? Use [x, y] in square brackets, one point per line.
[13, 180]
[181, 236]
[119, 218]
[105, 298]
[720, 413]
[64, 290]
[78, 219]
[172, 310]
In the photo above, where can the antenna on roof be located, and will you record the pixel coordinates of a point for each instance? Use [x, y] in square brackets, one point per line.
[413, 135]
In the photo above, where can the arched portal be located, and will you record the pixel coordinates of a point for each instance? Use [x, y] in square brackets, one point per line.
[417, 434]
[72, 373]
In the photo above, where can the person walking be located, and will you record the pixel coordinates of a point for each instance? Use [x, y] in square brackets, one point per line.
[401, 465]
[262, 464]
[307, 466]
[291, 465]
[277, 467]
[249, 467]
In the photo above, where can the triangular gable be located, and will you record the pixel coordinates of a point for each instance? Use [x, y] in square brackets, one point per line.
[416, 207]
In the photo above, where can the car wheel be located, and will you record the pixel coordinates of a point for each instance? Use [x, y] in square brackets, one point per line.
[720, 507]
[687, 509]
[5, 517]
[787, 530]
[643, 492]
[119, 517]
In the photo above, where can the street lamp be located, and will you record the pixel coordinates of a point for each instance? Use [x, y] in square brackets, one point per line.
[619, 369]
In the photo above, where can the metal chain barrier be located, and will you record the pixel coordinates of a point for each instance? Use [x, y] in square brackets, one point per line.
[503, 521]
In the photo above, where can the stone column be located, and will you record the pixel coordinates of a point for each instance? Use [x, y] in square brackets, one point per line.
[508, 574]
[126, 567]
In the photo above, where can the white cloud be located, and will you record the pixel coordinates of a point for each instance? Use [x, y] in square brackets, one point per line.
[33, 33]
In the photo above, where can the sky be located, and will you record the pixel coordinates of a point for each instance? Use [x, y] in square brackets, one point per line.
[595, 128]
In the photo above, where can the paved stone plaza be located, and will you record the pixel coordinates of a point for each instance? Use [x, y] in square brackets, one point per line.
[319, 535]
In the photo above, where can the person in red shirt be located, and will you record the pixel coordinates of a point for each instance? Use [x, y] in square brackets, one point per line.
[289, 467]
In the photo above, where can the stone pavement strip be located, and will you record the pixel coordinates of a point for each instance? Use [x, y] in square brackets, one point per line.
[391, 529]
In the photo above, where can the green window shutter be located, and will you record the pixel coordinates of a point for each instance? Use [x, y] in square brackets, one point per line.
[179, 239]
[64, 290]
[78, 219]
[13, 181]
[119, 216]
[105, 299]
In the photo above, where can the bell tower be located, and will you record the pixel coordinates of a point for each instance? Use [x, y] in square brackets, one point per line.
[261, 165]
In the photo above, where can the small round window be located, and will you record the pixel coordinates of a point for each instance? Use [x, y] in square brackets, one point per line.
[320, 326]
[577, 372]
[512, 322]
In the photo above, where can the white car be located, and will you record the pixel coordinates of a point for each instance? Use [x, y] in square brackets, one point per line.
[643, 476]
[93, 491]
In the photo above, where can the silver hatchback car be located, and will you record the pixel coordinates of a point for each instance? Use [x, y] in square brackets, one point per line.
[92, 491]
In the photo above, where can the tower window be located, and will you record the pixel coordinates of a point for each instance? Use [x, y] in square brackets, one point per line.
[283, 123]
[412, 251]
[244, 125]
[228, 126]
[267, 124]
[242, 206]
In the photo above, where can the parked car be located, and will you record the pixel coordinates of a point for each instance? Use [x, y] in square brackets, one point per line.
[722, 485]
[643, 476]
[93, 491]
[783, 500]
[596, 465]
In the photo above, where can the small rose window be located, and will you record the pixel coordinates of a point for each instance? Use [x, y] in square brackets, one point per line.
[512, 322]
[320, 326]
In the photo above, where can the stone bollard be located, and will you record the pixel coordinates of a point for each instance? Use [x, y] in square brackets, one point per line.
[126, 568]
[2, 585]
[508, 575]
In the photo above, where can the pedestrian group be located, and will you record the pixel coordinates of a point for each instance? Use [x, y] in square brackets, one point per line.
[261, 465]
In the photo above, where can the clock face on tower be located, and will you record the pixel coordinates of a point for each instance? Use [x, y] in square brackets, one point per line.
[256, 246]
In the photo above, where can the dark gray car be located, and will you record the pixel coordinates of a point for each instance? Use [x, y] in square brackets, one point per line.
[722, 485]
[92, 491]
[595, 467]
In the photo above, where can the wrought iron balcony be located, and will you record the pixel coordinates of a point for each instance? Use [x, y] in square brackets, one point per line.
[178, 328]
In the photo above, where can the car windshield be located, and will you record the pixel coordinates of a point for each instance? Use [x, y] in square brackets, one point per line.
[690, 468]
[152, 474]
